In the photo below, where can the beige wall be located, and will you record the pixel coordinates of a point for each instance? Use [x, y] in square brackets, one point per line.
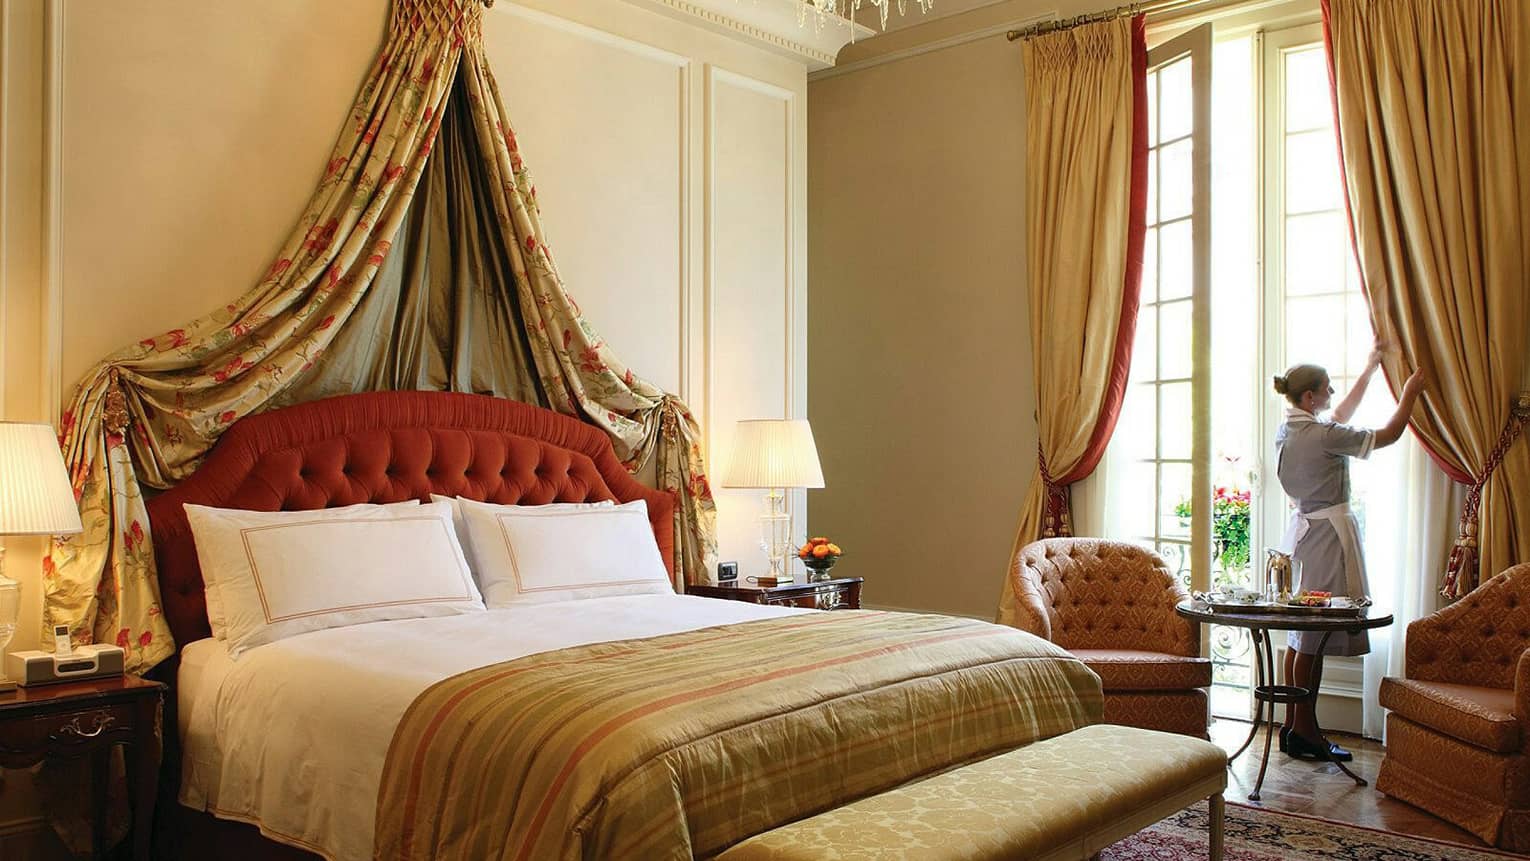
[922, 398]
[156, 153]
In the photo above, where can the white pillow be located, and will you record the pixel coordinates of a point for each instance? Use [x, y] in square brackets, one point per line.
[466, 539]
[285, 573]
[534, 554]
[210, 592]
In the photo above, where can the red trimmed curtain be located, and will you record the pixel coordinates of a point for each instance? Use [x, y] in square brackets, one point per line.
[1432, 100]
[1086, 203]
[420, 263]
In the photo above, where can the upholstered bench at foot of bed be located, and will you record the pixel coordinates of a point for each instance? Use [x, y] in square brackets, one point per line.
[1067, 797]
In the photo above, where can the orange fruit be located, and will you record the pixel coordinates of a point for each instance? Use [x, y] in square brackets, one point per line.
[806, 548]
[820, 551]
[819, 540]
[834, 548]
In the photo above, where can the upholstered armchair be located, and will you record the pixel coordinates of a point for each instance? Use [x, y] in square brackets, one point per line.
[1458, 735]
[1112, 605]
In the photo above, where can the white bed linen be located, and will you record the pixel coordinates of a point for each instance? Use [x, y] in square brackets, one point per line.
[292, 735]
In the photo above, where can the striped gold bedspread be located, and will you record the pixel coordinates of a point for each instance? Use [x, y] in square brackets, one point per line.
[681, 745]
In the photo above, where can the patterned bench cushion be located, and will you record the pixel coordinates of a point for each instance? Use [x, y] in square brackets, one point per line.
[1021, 804]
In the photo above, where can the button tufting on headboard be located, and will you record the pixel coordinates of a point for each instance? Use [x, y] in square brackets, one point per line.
[387, 447]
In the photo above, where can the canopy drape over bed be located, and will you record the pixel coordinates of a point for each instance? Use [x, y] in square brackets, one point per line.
[420, 263]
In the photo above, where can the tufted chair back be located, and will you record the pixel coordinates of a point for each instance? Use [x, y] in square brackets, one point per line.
[1478, 640]
[1088, 593]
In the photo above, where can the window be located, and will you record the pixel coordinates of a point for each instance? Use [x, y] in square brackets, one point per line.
[1191, 469]
[1160, 451]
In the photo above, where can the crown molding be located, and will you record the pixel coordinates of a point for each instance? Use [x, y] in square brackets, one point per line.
[929, 47]
[774, 25]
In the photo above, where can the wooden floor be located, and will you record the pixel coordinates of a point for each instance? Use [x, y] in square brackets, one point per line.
[1319, 789]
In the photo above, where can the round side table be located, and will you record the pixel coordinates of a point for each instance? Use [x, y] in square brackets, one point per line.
[1266, 688]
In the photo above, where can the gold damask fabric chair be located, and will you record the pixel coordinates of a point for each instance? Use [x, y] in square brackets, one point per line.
[1458, 735]
[1112, 605]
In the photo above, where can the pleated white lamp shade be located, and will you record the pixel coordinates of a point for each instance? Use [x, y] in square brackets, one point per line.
[774, 453]
[35, 496]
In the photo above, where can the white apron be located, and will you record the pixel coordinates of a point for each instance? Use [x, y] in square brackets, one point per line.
[1343, 523]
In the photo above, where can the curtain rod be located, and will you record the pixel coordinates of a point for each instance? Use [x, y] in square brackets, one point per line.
[1146, 8]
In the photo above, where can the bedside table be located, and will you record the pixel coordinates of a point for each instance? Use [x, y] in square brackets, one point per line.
[843, 593]
[74, 719]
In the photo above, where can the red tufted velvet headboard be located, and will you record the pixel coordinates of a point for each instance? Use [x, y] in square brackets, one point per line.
[388, 447]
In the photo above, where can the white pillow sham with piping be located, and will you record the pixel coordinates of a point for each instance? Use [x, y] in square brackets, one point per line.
[466, 539]
[280, 574]
[210, 591]
[536, 554]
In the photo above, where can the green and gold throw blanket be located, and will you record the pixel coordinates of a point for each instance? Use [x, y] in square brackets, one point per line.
[681, 745]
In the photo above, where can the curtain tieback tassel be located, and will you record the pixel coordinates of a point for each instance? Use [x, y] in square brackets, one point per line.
[1461, 574]
[114, 413]
[1056, 519]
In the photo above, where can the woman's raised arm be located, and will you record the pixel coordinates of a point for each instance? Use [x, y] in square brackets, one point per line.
[1392, 431]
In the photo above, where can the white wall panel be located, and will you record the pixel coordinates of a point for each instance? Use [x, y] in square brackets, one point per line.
[611, 174]
[751, 234]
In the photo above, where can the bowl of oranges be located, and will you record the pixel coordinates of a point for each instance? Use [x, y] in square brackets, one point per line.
[818, 556]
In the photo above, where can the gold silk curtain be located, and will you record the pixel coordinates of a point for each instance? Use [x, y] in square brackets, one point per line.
[1433, 103]
[406, 271]
[1086, 173]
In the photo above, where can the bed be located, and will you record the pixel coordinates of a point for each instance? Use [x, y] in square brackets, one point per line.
[618, 726]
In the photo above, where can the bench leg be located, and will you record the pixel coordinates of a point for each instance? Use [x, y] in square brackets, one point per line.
[1218, 809]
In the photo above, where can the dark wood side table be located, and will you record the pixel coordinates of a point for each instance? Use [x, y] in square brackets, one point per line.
[843, 593]
[76, 719]
[1266, 688]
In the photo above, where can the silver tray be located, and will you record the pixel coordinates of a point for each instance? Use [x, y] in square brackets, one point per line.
[1261, 607]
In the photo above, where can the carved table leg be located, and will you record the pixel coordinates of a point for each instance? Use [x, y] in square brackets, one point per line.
[145, 776]
[100, 782]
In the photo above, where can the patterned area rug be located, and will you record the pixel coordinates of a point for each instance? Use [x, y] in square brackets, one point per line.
[1255, 834]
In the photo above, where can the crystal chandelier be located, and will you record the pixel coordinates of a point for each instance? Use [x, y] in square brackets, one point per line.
[848, 8]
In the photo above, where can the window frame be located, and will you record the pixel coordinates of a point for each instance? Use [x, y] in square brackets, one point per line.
[1195, 44]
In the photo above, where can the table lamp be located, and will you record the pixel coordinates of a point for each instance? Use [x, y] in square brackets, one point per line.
[775, 454]
[35, 499]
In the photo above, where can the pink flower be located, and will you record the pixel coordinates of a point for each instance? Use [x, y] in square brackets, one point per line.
[321, 235]
[144, 639]
[232, 368]
[531, 245]
[327, 322]
[124, 638]
[226, 417]
[334, 165]
[379, 252]
[133, 536]
[278, 269]
[589, 360]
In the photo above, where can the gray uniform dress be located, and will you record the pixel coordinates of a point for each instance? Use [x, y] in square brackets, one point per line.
[1314, 470]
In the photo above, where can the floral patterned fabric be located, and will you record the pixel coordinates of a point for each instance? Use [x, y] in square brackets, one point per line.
[148, 414]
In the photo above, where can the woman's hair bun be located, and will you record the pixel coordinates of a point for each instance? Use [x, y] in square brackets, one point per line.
[1281, 387]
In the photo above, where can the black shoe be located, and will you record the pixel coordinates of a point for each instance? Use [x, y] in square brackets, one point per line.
[1339, 754]
[1299, 747]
